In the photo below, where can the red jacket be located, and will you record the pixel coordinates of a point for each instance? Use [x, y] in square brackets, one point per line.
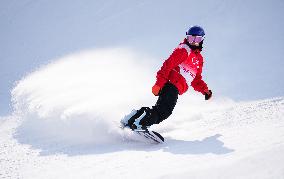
[183, 68]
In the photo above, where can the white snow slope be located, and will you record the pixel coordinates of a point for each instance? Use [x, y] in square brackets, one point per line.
[66, 125]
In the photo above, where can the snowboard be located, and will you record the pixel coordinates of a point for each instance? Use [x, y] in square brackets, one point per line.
[152, 136]
[149, 135]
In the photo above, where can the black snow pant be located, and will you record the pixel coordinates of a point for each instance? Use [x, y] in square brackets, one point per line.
[164, 106]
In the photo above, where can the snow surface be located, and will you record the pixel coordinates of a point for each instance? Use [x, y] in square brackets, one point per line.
[66, 116]
[243, 50]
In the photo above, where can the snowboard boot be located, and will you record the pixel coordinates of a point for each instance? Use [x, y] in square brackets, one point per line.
[144, 118]
[126, 121]
[129, 119]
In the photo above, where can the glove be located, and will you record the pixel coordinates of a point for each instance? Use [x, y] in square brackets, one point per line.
[156, 90]
[208, 94]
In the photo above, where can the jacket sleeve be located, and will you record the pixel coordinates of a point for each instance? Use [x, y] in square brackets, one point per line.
[178, 55]
[198, 84]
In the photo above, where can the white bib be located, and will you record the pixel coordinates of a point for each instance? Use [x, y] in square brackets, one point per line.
[188, 68]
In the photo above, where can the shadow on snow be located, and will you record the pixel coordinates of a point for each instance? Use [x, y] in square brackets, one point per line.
[208, 145]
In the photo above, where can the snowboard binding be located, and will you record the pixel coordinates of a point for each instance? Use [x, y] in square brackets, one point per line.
[139, 121]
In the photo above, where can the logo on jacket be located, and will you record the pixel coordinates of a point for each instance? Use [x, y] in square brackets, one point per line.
[185, 70]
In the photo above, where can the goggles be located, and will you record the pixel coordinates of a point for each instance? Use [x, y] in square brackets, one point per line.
[194, 39]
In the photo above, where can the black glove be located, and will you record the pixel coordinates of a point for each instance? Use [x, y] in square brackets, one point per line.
[208, 95]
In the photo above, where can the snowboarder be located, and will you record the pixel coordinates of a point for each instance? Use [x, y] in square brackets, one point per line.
[182, 69]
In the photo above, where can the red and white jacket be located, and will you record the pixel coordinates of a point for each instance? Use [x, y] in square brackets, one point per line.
[183, 68]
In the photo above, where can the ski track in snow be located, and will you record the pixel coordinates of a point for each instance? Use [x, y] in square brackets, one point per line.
[62, 128]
